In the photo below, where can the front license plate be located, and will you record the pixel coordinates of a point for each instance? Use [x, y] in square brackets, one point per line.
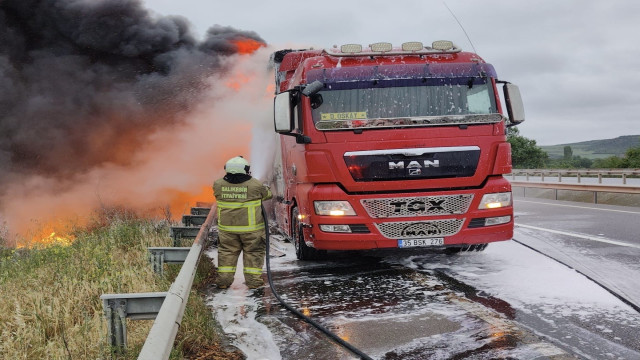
[420, 242]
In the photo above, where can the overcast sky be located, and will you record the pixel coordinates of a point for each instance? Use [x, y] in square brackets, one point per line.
[577, 62]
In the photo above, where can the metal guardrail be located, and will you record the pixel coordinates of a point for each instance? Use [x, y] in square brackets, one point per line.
[165, 327]
[633, 192]
[158, 256]
[120, 307]
[167, 308]
[181, 232]
[598, 186]
[576, 173]
[625, 189]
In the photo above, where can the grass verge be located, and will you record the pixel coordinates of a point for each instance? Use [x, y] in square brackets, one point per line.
[50, 305]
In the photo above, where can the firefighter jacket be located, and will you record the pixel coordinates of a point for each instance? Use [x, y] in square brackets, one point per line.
[239, 209]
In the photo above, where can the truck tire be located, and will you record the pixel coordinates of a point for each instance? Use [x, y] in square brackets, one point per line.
[303, 252]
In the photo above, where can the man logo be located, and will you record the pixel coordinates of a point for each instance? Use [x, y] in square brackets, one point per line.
[413, 164]
[420, 230]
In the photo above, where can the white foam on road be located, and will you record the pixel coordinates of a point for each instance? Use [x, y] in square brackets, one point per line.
[524, 278]
[235, 310]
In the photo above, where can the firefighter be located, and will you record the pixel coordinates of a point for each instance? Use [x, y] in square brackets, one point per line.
[240, 223]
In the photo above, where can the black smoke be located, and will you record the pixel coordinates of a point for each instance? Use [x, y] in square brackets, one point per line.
[84, 82]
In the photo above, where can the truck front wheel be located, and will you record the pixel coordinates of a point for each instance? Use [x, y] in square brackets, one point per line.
[303, 252]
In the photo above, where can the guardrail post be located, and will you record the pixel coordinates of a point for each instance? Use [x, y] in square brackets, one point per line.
[158, 256]
[559, 177]
[193, 220]
[119, 307]
[116, 321]
[578, 177]
[624, 179]
[157, 260]
[200, 211]
[599, 178]
[180, 232]
[542, 176]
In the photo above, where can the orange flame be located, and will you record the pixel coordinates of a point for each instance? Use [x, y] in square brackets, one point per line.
[54, 239]
[58, 231]
[52, 233]
[247, 46]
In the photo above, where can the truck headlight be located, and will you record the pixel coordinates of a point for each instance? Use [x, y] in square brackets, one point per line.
[495, 200]
[336, 228]
[333, 208]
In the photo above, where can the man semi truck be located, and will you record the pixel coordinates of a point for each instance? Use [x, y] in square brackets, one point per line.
[392, 147]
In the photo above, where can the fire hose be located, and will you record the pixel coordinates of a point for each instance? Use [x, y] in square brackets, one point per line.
[294, 311]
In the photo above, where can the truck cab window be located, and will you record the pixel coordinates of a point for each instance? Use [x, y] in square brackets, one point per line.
[477, 100]
[399, 106]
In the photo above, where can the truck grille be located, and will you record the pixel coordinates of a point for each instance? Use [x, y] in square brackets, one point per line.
[417, 206]
[413, 163]
[420, 229]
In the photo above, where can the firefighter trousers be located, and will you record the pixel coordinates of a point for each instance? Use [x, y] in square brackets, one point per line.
[253, 247]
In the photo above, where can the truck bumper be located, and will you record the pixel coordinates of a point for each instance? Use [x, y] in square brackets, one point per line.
[460, 226]
[361, 242]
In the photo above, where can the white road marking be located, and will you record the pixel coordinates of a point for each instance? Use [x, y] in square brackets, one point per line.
[581, 236]
[580, 207]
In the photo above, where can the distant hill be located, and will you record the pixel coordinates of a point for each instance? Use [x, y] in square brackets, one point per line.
[595, 149]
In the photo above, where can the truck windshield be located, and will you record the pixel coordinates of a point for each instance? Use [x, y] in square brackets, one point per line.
[399, 106]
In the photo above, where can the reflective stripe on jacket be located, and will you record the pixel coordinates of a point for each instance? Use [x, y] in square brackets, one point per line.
[239, 208]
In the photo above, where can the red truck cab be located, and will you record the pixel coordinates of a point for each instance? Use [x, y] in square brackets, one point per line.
[384, 147]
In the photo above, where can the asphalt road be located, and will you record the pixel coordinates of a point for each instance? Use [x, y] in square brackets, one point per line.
[600, 241]
[620, 223]
[506, 302]
[394, 306]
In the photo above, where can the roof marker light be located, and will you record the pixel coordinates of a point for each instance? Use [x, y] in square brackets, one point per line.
[381, 47]
[351, 48]
[443, 45]
[412, 46]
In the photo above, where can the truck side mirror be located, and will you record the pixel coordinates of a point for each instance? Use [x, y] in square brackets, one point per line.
[513, 101]
[282, 112]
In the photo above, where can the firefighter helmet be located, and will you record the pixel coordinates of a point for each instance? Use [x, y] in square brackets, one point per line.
[237, 165]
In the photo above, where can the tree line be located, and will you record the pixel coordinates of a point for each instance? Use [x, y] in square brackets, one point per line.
[525, 154]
